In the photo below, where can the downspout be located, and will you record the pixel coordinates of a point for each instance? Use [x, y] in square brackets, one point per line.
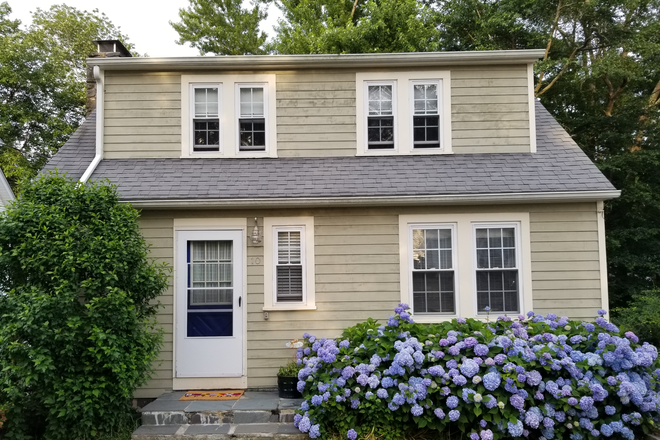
[98, 76]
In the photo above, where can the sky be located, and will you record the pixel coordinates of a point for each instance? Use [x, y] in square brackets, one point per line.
[145, 22]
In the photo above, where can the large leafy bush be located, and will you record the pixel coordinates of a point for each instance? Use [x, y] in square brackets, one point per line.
[77, 326]
[542, 377]
[642, 316]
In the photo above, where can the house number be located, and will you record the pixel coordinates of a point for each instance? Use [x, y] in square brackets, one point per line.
[255, 261]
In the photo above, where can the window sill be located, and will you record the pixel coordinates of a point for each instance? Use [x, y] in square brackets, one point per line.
[288, 307]
[402, 153]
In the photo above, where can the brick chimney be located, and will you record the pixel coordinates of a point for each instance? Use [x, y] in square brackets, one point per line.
[105, 49]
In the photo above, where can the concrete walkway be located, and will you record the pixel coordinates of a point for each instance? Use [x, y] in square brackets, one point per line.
[257, 414]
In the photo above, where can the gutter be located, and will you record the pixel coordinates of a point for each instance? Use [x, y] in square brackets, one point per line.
[319, 61]
[458, 199]
[100, 113]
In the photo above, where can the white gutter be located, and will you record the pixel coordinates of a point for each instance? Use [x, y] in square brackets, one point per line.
[318, 61]
[458, 199]
[100, 86]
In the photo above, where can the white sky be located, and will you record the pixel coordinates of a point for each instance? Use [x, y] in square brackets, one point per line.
[145, 22]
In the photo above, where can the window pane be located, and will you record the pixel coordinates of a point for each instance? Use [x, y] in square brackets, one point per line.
[432, 91]
[495, 238]
[509, 257]
[445, 238]
[508, 237]
[432, 239]
[432, 134]
[482, 259]
[482, 281]
[445, 259]
[495, 258]
[418, 90]
[482, 238]
[495, 281]
[447, 288]
[432, 261]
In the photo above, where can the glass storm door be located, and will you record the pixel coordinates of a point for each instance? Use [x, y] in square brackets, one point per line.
[209, 312]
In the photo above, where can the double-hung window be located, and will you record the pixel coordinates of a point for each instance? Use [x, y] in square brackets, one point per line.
[497, 268]
[289, 275]
[206, 122]
[426, 116]
[380, 116]
[251, 118]
[289, 279]
[433, 268]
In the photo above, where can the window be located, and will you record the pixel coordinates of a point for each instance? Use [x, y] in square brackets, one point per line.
[457, 264]
[251, 119]
[497, 269]
[289, 280]
[380, 119]
[433, 270]
[228, 115]
[206, 131]
[289, 265]
[403, 112]
[426, 116]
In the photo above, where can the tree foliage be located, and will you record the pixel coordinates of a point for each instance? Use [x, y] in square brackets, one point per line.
[77, 328]
[42, 83]
[221, 27]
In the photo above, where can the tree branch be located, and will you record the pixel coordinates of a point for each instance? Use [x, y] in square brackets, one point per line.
[561, 72]
[355, 3]
[547, 48]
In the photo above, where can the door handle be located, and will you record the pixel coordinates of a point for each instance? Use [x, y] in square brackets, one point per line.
[240, 298]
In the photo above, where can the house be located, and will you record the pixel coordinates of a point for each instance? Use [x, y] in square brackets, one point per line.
[305, 193]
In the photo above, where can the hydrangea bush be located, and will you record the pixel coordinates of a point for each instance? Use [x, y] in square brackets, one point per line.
[541, 377]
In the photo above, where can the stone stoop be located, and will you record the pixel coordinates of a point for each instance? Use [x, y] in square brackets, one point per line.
[256, 415]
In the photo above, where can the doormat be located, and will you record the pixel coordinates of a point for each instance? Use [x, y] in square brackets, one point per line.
[212, 395]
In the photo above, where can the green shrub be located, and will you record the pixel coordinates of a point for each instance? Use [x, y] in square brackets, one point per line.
[642, 316]
[77, 319]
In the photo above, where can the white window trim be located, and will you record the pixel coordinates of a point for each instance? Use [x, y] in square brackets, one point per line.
[487, 225]
[228, 116]
[403, 110]
[465, 278]
[454, 262]
[271, 226]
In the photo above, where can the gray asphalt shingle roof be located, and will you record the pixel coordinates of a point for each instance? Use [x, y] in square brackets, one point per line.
[558, 166]
[75, 156]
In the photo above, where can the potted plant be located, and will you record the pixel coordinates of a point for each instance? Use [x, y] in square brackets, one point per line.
[287, 376]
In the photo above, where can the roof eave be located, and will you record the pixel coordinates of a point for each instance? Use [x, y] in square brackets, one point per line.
[459, 199]
[278, 62]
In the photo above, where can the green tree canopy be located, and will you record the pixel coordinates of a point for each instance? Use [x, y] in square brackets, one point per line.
[42, 83]
[222, 27]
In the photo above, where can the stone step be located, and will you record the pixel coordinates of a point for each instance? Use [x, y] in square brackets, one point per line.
[246, 431]
[211, 417]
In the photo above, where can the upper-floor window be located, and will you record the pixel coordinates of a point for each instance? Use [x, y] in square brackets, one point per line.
[403, 113]
[228, 115]
[251, 118]
[426, 115]
[380, 116]
[206, 125]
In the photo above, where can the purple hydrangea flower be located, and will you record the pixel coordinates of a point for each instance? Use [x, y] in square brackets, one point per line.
[486, 434]
[481, 350]
[454, 415]
[416, 410]
[305, 424]
[351, 434]
[439, 413]
[452, 402]
[469, 368]
[492, 381]
[315, 431]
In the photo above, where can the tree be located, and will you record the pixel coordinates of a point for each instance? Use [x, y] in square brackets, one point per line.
[221, 27]
[42, 83]
[77, 327]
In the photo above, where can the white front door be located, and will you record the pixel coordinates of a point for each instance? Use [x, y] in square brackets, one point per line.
[209, 304]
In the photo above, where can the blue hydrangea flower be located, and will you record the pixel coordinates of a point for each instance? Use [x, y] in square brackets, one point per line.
[416, 410]
[454, 415]
[469, 368]
[351, 434]
[486, 434]
[381, 393]
[439, 413]
[317, 400]
[515, 429]
[452, 402]
[305, 424]
[481, 350]
[315, 431]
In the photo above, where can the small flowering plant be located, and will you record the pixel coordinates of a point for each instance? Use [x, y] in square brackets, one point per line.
[541, 377]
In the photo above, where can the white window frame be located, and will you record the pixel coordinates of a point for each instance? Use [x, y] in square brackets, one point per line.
[438, 83]
[271, 226]
[498, 225]
[191, 104]
[465, 248]
[451, 227]
[267, 121]
[228, 114]
[403, 110]
[395, 144]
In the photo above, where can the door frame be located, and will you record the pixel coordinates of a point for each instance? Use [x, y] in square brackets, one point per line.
[209, 224]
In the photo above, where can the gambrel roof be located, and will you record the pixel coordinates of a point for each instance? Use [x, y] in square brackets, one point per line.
[558, 169]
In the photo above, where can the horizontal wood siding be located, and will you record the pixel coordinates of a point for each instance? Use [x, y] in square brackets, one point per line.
[357, 274]
[490, 109]
[157, 229]
[316, 114]
[142, 115]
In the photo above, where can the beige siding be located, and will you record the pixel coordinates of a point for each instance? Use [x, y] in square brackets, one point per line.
[142, 115]
[315, 114]
[357, 274]
[490, 109]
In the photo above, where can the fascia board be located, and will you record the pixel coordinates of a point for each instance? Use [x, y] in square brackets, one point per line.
[352, 61]
[461, 199]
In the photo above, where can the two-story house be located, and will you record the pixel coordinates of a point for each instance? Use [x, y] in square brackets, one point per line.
[306, 193]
